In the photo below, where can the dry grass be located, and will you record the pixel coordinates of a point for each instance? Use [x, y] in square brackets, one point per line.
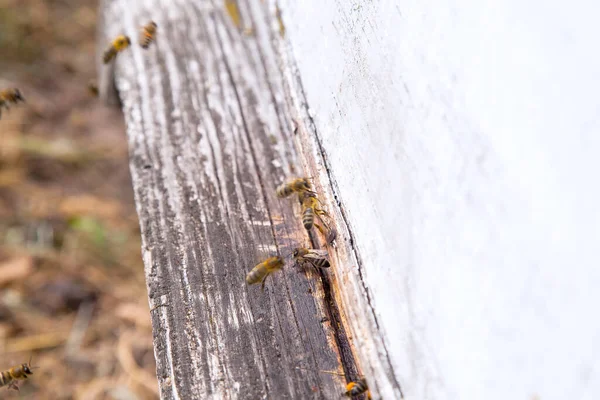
[72, 289]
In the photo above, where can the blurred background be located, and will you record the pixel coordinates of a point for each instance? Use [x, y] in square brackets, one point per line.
[72, 288]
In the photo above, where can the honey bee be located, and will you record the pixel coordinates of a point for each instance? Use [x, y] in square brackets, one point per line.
[310, 208]
[299, 185]
[357, 388]
[317, 258]
[120, 43]
[93, 88]
[263, 270]
[8, 96]
[148, 34]
[11, 376]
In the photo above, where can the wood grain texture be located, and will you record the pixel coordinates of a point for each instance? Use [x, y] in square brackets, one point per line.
[211, 136]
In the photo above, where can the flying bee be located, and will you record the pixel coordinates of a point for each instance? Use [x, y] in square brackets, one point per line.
[317, 258]
[93, 88]
[8, 96]
[120, 43]
[11, 376]
[299, 185]
[357, 388]
[263, 270]
[148, 34]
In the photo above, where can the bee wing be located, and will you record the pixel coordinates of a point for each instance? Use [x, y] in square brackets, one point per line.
[316, 254]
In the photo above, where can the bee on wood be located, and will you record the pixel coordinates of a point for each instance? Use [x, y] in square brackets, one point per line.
[148, 34]
[317, 258]
[10, 96]
[93, 88]
[11, 376]
[357, 388]
[120, 43]
[298, 185]
[260, 272]
[310, 209]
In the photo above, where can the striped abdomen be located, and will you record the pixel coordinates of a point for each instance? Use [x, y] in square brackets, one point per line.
[284, 190]
[295, 185]
[5, 378]
[262, 270]
[257, 274]
[146, 40]
[109, 55]
[148, 35]
[308, 218]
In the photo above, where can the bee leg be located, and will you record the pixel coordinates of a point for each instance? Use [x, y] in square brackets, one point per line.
[315, 267]
[320, 228]
[262, 287]
[13, 385]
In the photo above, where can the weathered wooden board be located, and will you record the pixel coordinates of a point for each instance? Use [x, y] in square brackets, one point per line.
[210, 137]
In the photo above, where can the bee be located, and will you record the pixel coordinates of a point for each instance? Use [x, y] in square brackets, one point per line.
[148, 34]
[120, 43]
[310, 208]
[8, 96]
[11, 376]
[357, 388]
[299, 185]
[317, 258]
[93, 88]
[263, 270]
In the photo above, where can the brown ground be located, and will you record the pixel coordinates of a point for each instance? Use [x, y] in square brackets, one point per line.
[72, 289]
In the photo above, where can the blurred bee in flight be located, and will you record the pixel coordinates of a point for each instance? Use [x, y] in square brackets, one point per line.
[357, 388]
[261, 271]
[317, 258]
[10, 96]
[148, 34]
[93, 88]
[120, 43]
[298, 185]
[11, 376]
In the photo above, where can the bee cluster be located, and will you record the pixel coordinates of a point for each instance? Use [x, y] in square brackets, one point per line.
[312, 215]
[302, 256]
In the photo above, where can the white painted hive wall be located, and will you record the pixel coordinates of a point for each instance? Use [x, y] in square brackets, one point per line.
[464, 137]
